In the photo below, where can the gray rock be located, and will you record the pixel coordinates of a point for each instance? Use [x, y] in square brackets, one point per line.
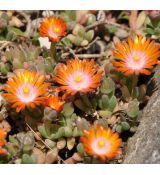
[144, 146]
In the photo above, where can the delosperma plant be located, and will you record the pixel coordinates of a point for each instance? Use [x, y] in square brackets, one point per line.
[73, 102]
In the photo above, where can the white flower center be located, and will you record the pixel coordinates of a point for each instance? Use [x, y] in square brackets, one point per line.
[136, 60]
[26, 93]
[79, 80]
[100, 146]
[53, 32]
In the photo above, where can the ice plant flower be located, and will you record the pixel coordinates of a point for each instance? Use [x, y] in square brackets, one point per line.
[78, 76]
[54, 102]
[101, 142]
[26, 89]
[53, 27]
[137, 56]
[3, 135]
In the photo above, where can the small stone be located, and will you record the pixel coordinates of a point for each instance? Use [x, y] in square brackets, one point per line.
[70, 143]
[39, 155]
[77, 157]
[70, 161]
[61, 143]
[6, 126]
[51, 156]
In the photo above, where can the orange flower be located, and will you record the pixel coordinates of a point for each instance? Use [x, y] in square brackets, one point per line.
[3, 151]
[3, 135]
[136, 56]
[101, 142]
[54, 102]
[26, 89]
[53, 27]
[78, 76]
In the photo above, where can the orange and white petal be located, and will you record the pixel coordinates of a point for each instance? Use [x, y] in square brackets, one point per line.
[53, 27]
[101, 142]
[136, 56]
[25, 89]
[78, 76]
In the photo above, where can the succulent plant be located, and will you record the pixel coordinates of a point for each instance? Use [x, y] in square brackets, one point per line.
[79, 36]
[64, 128]
[133, 109]
[26, 57]
[20, 148]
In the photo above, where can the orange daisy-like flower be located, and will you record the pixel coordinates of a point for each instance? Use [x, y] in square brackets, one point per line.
[26, 88]
[3, 135]
[53, 27]
[54, 102]
[78, 76]
[136, 56]
[101, 142]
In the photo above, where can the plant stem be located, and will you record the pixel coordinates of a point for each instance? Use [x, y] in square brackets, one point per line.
[53, 51]
[134, 83]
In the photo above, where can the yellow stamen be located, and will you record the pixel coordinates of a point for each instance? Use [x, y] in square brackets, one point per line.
[26, 90]
[101, 143]
[56, 29]
[78, 78]
[136, 58]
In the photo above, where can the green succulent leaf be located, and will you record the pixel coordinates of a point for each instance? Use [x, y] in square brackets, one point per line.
[107, 86]
[119, 129]
[69, 16]
[91, 19]
[125, 126]
[68, 131]
[67, 42]
[105, 113]
[142, 91]
[48, 130]
[12, 139]
[135, 92]
[111, 28]
[105, 101]
[15, 30]
[81, 105]
[125, 93]
[112, 103]
[27, 159]
[89, 35]
[60, 133]
[133, 109]
[77, 40]
[68, 110]
[76, 132]
[80, 148]
[4, 68]
[42, 130]
[50, 143]
[81, 32]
